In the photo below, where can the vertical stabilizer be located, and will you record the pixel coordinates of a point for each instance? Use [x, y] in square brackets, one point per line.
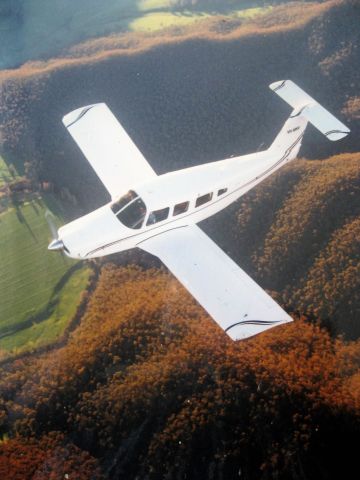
[288, 140]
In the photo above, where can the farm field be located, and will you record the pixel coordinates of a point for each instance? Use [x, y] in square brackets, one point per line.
[40, 290]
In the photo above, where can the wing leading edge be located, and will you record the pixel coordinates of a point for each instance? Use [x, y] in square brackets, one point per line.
[238, 304]
[113, 155]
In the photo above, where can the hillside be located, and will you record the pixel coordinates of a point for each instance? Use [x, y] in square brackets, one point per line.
[153, 388]
[297, 235]
[187, 99]
[144, 385]
[38, 30]
[188, 102]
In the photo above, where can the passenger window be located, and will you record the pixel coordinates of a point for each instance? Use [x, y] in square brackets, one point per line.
[158, 216]
[203, 199]
[181, 208]
[222, 191]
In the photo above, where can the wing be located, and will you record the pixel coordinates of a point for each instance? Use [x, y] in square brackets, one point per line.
[240, 306]
[106, 145]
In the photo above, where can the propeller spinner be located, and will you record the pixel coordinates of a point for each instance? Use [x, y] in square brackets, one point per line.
[56, 244]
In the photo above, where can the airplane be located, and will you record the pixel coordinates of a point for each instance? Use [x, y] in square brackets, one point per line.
[159, 213]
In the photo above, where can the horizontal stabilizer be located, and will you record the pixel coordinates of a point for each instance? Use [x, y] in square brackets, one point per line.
[309, 108]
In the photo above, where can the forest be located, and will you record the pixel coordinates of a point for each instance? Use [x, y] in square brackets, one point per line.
[156, 390]
[144, 385]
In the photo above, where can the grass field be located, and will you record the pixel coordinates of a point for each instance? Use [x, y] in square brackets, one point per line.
[154, 21]
[44, 332]
[7, 174]
[146, 5]
[39, 289]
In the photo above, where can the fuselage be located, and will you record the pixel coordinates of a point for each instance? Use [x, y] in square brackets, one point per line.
[169, 201]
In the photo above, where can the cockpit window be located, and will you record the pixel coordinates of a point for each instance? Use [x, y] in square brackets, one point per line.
[130, 210]
[124, 200]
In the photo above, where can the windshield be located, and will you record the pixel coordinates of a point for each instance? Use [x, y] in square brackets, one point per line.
[130, 210]
[124, 200]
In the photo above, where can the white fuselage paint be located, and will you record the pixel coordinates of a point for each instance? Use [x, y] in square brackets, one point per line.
[101, 233]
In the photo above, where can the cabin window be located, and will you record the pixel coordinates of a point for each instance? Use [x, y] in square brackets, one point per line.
[181, 208]
[158, 216]
[130, 210]
[222, 191]
[203, 199]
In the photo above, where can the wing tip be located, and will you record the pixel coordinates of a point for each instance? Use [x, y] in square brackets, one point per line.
[72, 117]
[278, 85]
[253, 327]
[337, 134]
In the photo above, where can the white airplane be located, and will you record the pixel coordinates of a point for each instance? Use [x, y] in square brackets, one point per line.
[159, 213]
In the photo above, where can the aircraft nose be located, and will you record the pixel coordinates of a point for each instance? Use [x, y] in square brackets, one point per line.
[56, 244]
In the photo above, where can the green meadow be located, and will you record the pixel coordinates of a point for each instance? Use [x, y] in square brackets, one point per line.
[155, 21]
[158, 20]
[39, 290]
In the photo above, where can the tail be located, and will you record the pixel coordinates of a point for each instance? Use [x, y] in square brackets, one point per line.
[306, 109]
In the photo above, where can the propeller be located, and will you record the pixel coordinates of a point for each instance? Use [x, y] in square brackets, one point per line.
[56, 243]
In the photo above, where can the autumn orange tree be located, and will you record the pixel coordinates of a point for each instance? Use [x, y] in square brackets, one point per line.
[298, 234]
[51, 457]
[152, 387]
